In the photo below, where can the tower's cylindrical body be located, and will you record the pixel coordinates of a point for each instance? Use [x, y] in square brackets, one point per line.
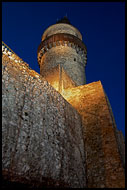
[62, 55]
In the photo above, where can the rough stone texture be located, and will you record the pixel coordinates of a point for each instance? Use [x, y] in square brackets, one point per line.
[71, 61]
[42, 134]
[61, 28]
[103, 150]
[46, 142]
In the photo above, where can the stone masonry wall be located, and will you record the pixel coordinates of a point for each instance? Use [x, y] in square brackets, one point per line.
[118, 134]
[71, 60]
[43, 141]
[121, 144]
[104, 166]
[42, 134]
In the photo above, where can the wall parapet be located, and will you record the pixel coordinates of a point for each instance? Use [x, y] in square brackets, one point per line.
[12, 55]
[62, 39]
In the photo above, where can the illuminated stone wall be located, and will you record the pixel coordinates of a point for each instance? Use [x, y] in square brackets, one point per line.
[41, 132]
[52, 140]
[68, 57]
[104, 148]
[59, 79]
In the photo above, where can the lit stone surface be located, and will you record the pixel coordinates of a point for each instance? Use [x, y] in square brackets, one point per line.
[41, 132]
[104, 146]
[61, 28]
[72, 62]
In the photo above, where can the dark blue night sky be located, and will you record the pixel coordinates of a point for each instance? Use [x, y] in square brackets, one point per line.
[102, 26]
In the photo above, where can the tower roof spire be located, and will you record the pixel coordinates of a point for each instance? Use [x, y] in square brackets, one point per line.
[64, 20]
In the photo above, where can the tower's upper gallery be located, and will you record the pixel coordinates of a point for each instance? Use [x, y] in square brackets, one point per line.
[62, 26]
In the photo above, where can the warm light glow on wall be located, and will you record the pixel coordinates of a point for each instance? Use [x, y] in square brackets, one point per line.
[59, 79]
[55, 85]
[72, 94]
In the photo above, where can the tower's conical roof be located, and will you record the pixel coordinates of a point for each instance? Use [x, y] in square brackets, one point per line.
[63, 20]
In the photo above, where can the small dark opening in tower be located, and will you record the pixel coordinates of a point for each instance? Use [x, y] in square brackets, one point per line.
[26, 114]
[74, 59]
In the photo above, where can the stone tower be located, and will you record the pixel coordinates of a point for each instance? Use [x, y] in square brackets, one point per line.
[64, 136]
[62, 56]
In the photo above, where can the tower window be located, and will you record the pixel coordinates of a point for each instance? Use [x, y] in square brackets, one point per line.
[26, 114]
[74, 59]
